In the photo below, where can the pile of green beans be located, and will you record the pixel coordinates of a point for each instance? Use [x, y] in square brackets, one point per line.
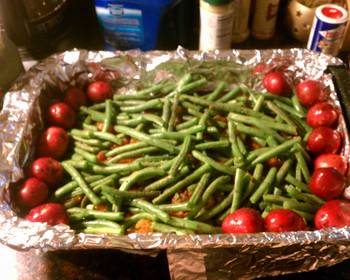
[183, 158]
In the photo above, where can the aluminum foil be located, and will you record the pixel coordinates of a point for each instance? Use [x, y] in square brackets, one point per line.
[218, 256]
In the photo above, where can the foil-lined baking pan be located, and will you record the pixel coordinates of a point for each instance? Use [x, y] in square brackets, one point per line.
[217, 256]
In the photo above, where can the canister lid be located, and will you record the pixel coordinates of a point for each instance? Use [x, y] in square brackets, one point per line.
[218, 2]
[332, 13]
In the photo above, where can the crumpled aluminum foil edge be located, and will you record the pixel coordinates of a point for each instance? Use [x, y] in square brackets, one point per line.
[206, 256]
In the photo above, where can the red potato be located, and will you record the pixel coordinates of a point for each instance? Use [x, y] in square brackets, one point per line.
[48, 170]
[60, 114]
[99, 91]
[322, 114]
[243, 220]
[53, 143]
[324, 140]
[259, 69]
[51, 213]
[75, 98]
[276, 83]
[334, 213]
[32, 193]
[283, 220]
[331, 160]
[327, 183]
[310, 92]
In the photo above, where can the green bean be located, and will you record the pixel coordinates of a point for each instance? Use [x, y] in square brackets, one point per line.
[166, 228]
[181, 184]
[241, 146]
[202, 121]
[307, 216]
[109, 180]
[238, 189]
[277, 191]
[86, 155]
[252, 131]
[283, 170]
[263, 122]
[300, 185]
[271, 141]
[275, 151]
[116, 168]
[179, 135]
[228, 107]
[174, 207]
[298, 174]
[106, 136]
[140, 175]
[92, 142]
[140, 95]
[125, 148]
[84, 213]
[217, 91]
[69, 187]
[304, 169]
[288, 109]
[198, 227]
[199, 190]
[215, 165]
[146, 138]
[151, 104]
[174, 108]
[259, 103]
[139, 216]
[236, 152]
[95, 115]
[264, 186]
[89, 127]
[81, 164]
[81, 182]
[166, 112]
[132, 154]
[275, 199]
[181, 156]
[103, 230]
[187, 124]
[150, 208]
[153, 118]
[128, 194]
[300, 206]
[102, 226]
[279, 112]
[257, 177]
[131, 122]
[208, 145]
[211, 189]
[306, 197]
[86, 147]
[217, 209]
[162, 183]
[110, 115]
[190, 106]
[116, 202]
[297, 106]
[193, 85]
[230, 95]
[299, 147]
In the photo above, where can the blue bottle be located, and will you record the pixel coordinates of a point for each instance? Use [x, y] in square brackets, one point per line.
[130, 24]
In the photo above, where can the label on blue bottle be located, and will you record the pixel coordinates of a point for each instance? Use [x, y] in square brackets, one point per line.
[122, 25]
